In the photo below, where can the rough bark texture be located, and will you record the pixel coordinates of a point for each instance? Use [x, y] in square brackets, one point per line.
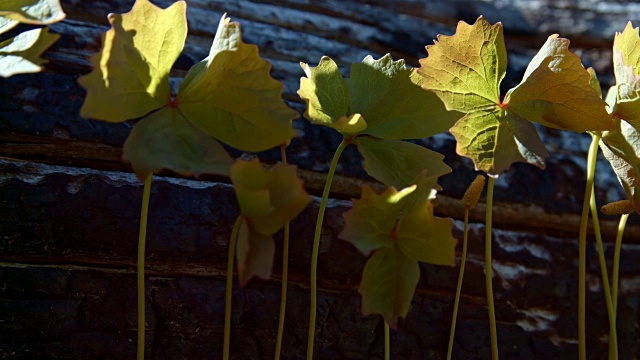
[69, 207]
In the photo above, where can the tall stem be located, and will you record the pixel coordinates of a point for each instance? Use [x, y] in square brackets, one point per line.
[316, 248]
[616, 262]
[229, 289]
[460, 278]
[285, 275]
[142, 237]
[582, 248]
[613, 336]
[489, 271]
[387, 341]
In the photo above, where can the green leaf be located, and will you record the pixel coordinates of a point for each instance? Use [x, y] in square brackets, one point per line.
[556, 92]
[325, 93]
[37, 12]
[626, 66]
[621, 148]
[465, 69]
[231, 95]
[165, 140]
[268, 198]
[389, 280]
[254, 252]
[372, 219]
[496, 139]
[21, 54]
[396, 163]
[130, 75]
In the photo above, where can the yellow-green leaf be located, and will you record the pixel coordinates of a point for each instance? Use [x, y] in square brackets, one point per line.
[21, 54]
[165, 140]
[130, 75]
[254, 252]
[232, 96]
[37, 12]
[626, 66]
[556, 92]
[397, 163]
[465, 69]
[389, 280]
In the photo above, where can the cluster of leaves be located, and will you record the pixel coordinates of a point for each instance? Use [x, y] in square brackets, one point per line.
[21, 53]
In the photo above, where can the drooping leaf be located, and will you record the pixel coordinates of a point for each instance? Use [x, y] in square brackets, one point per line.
[254, 252]
[21, 54]
[165, 140]
[496, 139]
[466, 69]
[556, 92]
[37, 12]
[372, 219]
[283, 188]
[130, 75]
[389, 280]
[621, 147]
[396, 163]
[231, 95]
[7, 24]
[626, 66]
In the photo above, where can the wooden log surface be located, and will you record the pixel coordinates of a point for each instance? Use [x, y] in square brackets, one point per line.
[70, 207]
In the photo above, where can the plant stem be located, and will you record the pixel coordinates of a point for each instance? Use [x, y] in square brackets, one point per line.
[316, 247]
[613, 336]
[285, 274]
[387, 341]
[142, 237]
[582, 248]
[460, 278]
[489, 271]
[616, 262]
[229, 289]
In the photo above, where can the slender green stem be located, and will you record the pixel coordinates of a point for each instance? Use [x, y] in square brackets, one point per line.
[142, 237]
[582, 248]
[229, 289]
[460, 278]
[316, 247]
[387, 342]
[285, 274]
[616, 262]
[489, 271]
[613, 336]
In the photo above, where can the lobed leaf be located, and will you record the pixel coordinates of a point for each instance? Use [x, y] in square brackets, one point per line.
[465, 69]
[232, 96]
[556, 92]
[36, 12]
[389, 280]
[255, 252]
[397, 163]
[132, 69]
[21, 54]
[165, 140]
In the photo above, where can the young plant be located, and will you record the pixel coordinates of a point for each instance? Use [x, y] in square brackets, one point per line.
[268, 201]
[228, 96]
[399, 228]
[21, 54]
[465, 71]
[381, 103]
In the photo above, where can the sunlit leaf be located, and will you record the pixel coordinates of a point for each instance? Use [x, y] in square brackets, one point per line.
[130, 75]
[37, 12]
[21, 54]
[373, 217]
[232, 96]
[555, 92]
[626, 66]
[396, 163]
[254, 252]
[7, 24]
[466, 69]
[496, 139]
[382, 98]
[165, 140]
[389, 280]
